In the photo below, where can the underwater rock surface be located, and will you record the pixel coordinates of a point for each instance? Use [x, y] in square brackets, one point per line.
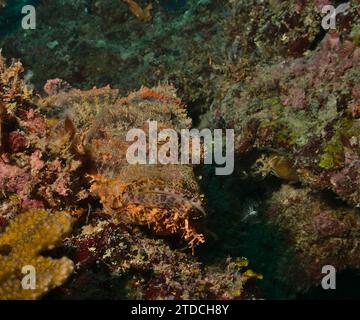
[58, 154]
[267, 69]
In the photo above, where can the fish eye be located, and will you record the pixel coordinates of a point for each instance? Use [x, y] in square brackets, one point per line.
[196, 214]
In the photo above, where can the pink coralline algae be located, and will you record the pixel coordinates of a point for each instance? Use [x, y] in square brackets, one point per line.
[17, 142]
[34, 169]
[321, 3]
[55, 86]
[33, 122]
[304, 109]
[15, 180]
[329, 226]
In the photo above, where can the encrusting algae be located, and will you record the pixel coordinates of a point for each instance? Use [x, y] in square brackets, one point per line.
[20, 245]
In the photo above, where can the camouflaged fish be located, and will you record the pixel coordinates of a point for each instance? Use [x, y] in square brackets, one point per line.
[165, 198]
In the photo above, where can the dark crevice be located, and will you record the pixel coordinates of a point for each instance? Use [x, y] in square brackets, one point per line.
[322, 33]
[347, 287]
[319, 37]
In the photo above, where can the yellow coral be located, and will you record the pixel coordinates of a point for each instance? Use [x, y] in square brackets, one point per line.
[20, 245]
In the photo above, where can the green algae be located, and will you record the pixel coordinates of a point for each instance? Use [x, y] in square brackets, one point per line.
[333, 150]
[355, 34]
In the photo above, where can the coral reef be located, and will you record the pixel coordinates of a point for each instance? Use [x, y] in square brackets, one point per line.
[32, 177]
[100, 41]
[319, 232]
[265, 68]
[36, 169]
[151, 268]
[20, 245]
[66, 151]
[290, 110]
[296, 119]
